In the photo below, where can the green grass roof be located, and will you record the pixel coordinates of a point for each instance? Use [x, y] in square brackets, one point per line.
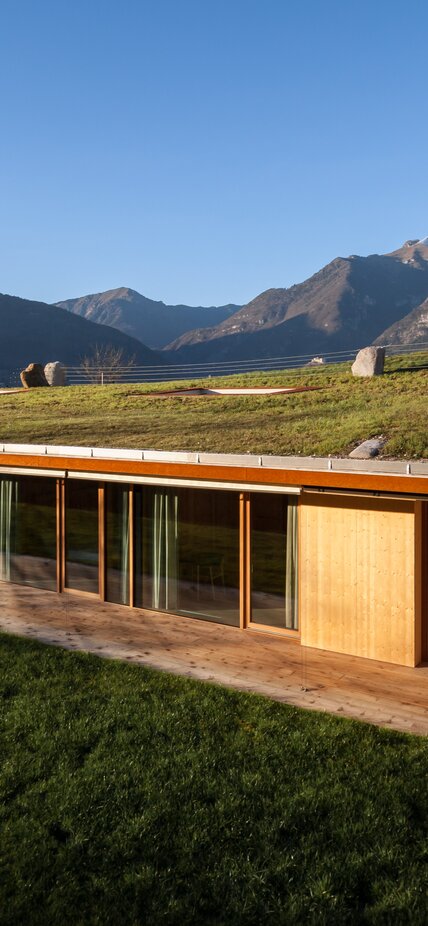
[332, 420]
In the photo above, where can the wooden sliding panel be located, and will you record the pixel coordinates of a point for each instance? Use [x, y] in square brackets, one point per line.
[424, 580]
[357, 582]
[421, 584]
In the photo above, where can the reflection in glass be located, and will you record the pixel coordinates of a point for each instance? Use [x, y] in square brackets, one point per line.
[28, 531]
[117, 542]
[274, 560]
[81, 535]
[187, 552]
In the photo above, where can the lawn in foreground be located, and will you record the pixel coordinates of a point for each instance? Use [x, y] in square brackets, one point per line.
[130, 796]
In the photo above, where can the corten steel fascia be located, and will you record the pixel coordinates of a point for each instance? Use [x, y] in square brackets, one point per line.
[401, 483]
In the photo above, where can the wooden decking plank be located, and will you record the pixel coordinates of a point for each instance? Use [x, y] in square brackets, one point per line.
[388, 695]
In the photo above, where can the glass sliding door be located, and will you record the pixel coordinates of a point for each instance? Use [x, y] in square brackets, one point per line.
[117, 542]
[28, 531]
[162, 550]
[8, 507]
[81, 536]
[156, 548]
[187, 552]
[273, 561]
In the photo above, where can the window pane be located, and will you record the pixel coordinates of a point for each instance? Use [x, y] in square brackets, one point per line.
[187, 548]
[117, 543]
[81, 542]
[28, 531]
[273, 560]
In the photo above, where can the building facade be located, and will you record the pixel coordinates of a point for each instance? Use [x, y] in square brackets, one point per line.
[331, 552]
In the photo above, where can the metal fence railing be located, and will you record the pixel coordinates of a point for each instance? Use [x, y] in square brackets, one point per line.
[134, 373]
[102, 374]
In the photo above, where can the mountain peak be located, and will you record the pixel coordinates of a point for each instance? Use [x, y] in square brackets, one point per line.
[415, 242]
[414, 252]
[153, 323]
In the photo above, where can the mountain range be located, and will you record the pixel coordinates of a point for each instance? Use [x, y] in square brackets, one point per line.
[350, 303]
[153, 323]
[353, 301]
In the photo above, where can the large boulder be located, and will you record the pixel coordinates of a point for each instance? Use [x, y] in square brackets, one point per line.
[33, 376]
[55, 373]
[369, 362]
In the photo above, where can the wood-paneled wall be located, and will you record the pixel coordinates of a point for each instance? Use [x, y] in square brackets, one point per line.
[358, 577]
[421, 512]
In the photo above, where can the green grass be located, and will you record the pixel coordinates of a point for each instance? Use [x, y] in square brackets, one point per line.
[134, 797]
[332, 420]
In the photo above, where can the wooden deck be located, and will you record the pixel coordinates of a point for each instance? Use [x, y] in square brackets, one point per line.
[375, 692]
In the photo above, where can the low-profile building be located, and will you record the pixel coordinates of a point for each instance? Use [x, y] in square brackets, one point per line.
[333, 552]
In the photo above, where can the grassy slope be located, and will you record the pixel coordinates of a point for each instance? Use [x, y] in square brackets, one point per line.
[329, 421]
[129, 796]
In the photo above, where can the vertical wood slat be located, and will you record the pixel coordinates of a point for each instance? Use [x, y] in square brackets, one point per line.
[247, 544]
[418, 623]
[131, 548]
[423, 580]
[101, 542]
[60, 538]
[248, 558]
[242, 564]
[244, 560]
[63, 535]
[299, 571]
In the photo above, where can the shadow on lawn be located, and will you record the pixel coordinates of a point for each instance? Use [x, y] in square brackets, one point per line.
[406, 369]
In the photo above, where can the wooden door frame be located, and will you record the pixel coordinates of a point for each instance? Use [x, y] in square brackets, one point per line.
[131, 563]
[245, 572]
[102, 542]
[61, 544]
[102, 552]
[59, 532]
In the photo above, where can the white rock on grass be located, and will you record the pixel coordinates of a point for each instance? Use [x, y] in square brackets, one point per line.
[55, 373]
[368, 449]
[369, 362]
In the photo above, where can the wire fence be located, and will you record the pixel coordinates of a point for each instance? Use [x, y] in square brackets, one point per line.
[134, 373]
[102, 373]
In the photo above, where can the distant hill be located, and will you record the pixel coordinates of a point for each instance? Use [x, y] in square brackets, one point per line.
[347, 304]
[412, 329]
[37, 332]
[153, 323]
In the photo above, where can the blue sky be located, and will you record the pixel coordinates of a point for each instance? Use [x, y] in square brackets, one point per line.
[201, 151]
